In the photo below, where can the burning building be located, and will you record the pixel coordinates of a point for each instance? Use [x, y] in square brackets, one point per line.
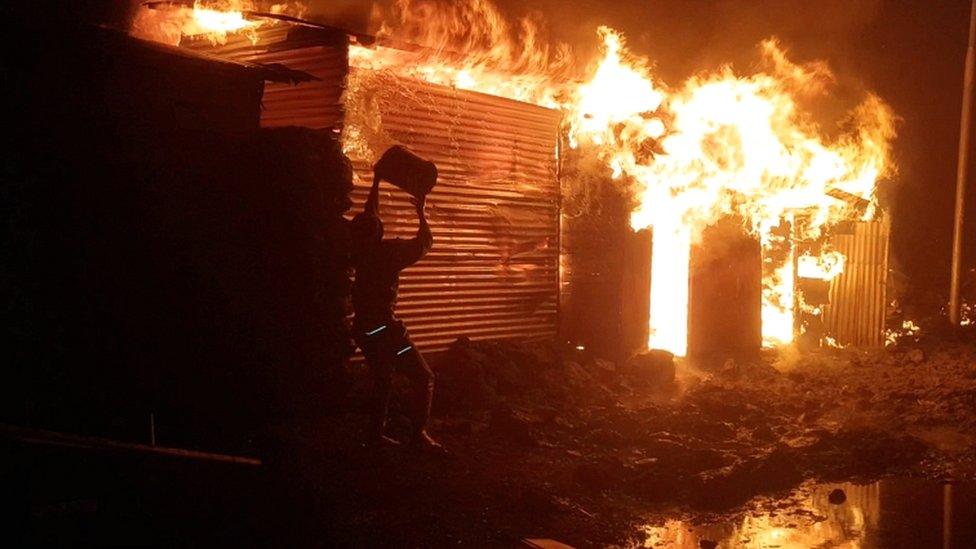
[723, 150]
[493, 272]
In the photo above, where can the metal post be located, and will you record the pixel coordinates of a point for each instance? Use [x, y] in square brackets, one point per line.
[947, 516]
[962, 170]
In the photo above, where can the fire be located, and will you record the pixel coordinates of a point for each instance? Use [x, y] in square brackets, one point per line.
[469, 45]
[823, 267]
[219, 22]
[908, 330]
[728, 145]
[720, 144]
[215, 19]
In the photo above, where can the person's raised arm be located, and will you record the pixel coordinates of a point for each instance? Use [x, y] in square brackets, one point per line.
[408, 252]
[425, 239]
[373, 202]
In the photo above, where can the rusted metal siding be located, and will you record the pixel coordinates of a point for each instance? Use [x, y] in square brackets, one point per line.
[605, 266]
[322, 54]
[725, 295]
[493, 269]
[856, 313]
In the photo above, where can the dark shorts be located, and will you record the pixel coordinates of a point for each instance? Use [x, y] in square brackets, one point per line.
[384, 341]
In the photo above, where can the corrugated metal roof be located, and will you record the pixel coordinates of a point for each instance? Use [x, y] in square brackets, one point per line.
[856, 313]
[322, 54]
[493, 270]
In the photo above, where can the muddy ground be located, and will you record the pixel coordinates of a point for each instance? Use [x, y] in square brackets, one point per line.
[548, 442]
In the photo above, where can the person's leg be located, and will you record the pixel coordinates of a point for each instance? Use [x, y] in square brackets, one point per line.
[416, 369]
[382, 374]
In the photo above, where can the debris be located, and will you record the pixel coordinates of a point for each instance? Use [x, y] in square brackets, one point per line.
[539, 543]
[654, 368]
[517, 425]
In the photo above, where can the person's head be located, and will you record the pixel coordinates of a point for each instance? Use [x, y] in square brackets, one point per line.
[366, 230]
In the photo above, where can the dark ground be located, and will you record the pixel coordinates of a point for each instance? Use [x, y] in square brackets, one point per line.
[571, 448]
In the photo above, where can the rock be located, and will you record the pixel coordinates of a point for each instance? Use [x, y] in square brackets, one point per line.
[730, 369]
[733, 485]
[837, 496]
[605, 365]
[655, 368]
[515, 424]
[576, 375]
[601, 474]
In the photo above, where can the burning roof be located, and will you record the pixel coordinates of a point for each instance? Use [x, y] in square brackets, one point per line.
[719, 144]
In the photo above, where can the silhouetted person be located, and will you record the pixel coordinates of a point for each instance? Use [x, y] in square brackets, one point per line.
[381, 336]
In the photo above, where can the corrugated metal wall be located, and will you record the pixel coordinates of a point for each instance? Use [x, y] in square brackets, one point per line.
[493, 270]
[856, 313]
[323, 54]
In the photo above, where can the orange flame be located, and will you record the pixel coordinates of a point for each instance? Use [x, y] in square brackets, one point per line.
[720, 144]
[826, 266]
[214, 19]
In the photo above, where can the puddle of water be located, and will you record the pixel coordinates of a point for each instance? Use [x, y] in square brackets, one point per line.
[889, 513]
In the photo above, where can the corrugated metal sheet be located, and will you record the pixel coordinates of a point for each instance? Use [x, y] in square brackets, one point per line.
[493, 270]
[605, 266]
[856, 313]
[725, 294]
[323, 54]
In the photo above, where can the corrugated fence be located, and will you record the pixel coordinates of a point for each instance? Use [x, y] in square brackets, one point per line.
[856, 313]
[493, 270]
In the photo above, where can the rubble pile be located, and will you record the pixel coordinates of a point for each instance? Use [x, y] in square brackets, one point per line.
[715, 439]
[549, 439]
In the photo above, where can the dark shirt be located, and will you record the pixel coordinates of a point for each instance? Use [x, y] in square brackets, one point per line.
[374, 292]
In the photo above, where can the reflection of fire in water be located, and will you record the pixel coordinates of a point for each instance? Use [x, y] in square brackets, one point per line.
[818, 523]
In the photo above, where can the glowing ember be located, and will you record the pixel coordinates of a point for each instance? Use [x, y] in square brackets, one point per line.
[908, 330]
[830, 342]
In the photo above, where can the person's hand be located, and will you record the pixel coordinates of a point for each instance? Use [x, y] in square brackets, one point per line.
[419, 204]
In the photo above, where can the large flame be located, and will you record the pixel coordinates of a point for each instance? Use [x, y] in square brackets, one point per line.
[728, 145]
[213, 19]
[720, 144]
[469, 45]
